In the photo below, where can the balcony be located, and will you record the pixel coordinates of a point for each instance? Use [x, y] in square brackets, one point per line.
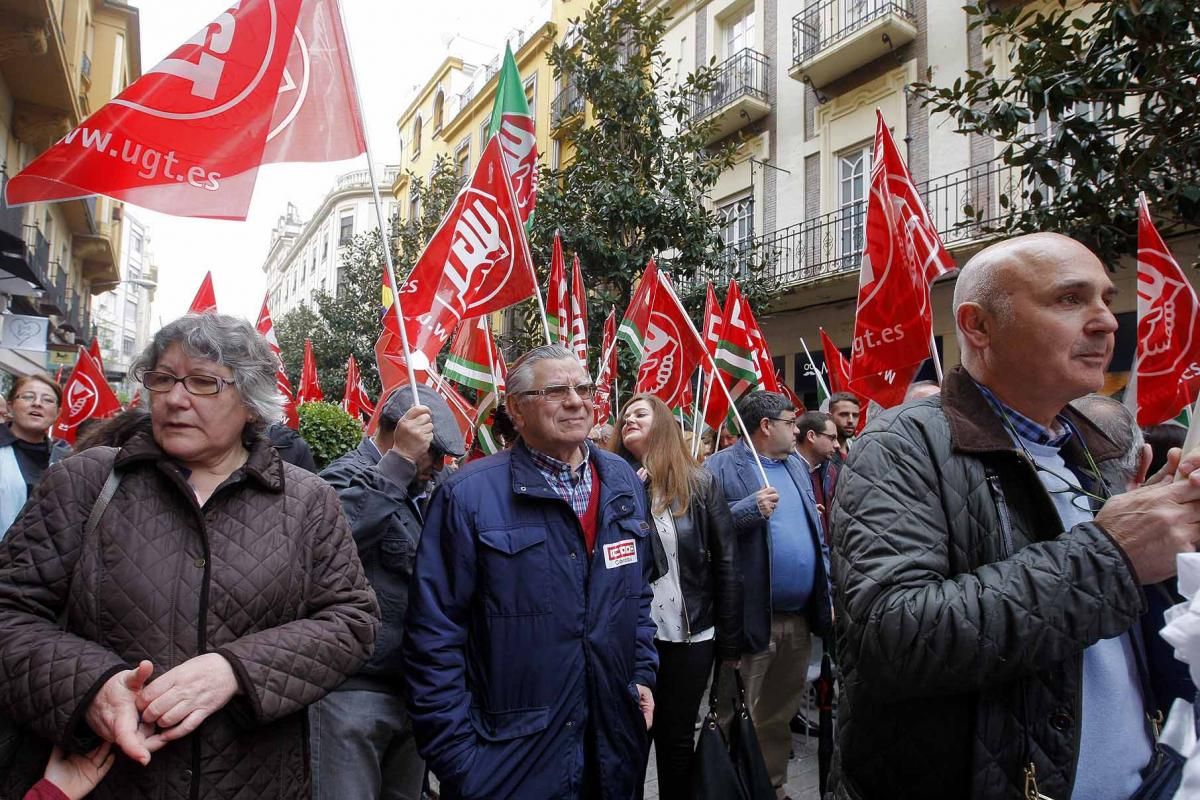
[738, 96]
[966, 207]
[832, 38]
[361, 179]
[34, 65]
[567, 107]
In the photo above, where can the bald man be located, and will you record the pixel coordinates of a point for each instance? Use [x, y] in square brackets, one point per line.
[986, 587]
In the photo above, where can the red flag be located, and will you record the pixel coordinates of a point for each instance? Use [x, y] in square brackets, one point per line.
[355, 400]
[632, 329]
[87, 395]
[477, 262]
[762, 354]
[836, 365]
[266, 327]
[712, 321]
[893, 325]
[735, 358]
[267, 81]
[607, 377]
[558, 314]
[579, 323]
[1167, 365]
[310, 387]
[797, 403]
[58, 376]
[206, 297]
[94, 352]
[673, 348]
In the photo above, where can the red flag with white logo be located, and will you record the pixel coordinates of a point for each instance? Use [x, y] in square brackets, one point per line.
[477, 262]
[206, 297]
[267, 81]
[632, 329]
[86, 395]
[673, 348]
[579, 323]
[266, 328]
[836, 365]
[893, 324]
[310, 387]
[735, 358]
[1167, 364]
[94, 352]
[607, 370]
[355, 400]
[558, 314]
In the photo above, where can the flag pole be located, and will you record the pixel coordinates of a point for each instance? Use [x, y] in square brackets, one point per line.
[665, 282]
[383, 229]
[937, 362]
[813, 364]
[697, 422]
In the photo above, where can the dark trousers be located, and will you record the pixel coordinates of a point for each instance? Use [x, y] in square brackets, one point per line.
[683, 673]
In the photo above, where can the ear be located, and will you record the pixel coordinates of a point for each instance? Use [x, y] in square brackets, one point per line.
[976, 325]
[516, 413]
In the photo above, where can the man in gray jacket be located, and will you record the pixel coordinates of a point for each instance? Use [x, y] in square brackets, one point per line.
[987, 581]
[362, 745]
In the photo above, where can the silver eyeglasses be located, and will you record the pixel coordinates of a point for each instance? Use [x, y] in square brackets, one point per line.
[194, 384]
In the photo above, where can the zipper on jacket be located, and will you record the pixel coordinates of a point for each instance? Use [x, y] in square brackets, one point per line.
[1031, 787]
[1006, 536]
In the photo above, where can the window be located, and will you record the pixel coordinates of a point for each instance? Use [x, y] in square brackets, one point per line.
[737, 232]
[483, 134]
[439, 104]
[417, 136]
[739, 31]
[414, 209]
[127, 346]
[135, 240]
[130, 311]
[324, 245]
[462, 161]
[854, 175]
[531, 96]
[346, 230]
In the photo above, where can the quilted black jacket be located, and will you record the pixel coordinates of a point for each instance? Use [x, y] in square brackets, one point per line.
[963, 609]
[265, 574]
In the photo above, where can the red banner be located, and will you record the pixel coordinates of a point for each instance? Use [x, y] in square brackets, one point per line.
[1168, 345]
[266, 327]
[86, 395]
[673, 349]
[310, 387]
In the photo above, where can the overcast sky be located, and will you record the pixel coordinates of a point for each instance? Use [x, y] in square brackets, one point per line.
[396, 46]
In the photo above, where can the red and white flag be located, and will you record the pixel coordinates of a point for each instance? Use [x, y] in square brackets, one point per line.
[579, 322]
[673, 348]
[712, 321]
[1167, 364]
[266, 328]
[86, 395]
[94, 352]
[310, 387]
[736, 358]
[267, 81]
[477, 262]
[632, 329]
[606, 378]
[206, 297]
[355, 400]
[558, 313]
[893, 324]
[836, 365]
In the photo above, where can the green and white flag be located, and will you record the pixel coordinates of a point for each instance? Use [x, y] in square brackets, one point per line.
[513, 123]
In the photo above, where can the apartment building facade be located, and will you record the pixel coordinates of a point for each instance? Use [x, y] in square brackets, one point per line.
[122, 316]
[60, 60]
[305, 257]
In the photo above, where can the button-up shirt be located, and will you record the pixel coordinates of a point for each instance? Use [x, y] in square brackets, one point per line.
[1027, 428]
[573, 484]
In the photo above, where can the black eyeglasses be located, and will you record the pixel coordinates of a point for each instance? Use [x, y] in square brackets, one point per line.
[557, 394]
[194, 384]
[784, 420]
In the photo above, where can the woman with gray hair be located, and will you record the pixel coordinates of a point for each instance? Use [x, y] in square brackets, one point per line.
[185, 596]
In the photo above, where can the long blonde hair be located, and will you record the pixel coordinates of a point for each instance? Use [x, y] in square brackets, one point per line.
[672, 469]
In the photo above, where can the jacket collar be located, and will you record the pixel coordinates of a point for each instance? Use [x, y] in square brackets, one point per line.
[976, 428]
[264, 466]
[528, 480]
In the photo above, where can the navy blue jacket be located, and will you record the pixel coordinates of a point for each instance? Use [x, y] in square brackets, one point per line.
[735, 470]
[514, 646]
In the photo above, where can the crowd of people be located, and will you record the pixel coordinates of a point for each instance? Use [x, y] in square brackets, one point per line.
[183, 613]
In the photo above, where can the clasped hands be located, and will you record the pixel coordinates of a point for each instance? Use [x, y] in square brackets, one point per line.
[141, 718]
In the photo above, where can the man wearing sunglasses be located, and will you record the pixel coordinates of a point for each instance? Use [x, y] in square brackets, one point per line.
[529, 651]
[361, 737]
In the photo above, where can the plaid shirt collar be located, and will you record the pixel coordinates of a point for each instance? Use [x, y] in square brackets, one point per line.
[573, 484]
[1026, 428]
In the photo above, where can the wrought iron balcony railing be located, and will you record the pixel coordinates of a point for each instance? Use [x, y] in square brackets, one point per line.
[567, 104]
[742, 74]
[826, 23]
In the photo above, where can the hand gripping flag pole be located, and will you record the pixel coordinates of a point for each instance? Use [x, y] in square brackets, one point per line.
[384, 233]
[665, 283]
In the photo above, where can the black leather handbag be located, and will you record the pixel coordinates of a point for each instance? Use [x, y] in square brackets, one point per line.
[714, 776]
[744, 750]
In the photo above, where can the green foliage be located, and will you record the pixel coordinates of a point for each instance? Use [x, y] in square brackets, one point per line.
[640, 169]
[348, 322]
[329, 431]
[1101, 103]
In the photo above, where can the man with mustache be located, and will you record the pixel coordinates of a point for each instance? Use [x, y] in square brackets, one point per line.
[987, 575]
[529, 648]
